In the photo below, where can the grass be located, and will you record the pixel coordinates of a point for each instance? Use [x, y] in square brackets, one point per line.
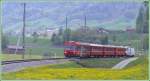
[38, 48]
[137, 72]
[134, 39]
[8, 57]
[99, 62]
[89, 63]
[141, 60]
[50, 50]
[29, 40]
[65, 65]
[51, 54]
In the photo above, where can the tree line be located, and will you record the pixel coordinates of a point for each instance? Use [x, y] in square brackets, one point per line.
[90, 36]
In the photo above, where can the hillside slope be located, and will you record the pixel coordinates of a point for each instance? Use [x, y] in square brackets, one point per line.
[39, 15]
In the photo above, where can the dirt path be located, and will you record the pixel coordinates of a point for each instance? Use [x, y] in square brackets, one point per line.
[19, 66]
[123, 63]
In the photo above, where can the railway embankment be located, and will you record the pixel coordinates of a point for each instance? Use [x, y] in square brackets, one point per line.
[136, 70]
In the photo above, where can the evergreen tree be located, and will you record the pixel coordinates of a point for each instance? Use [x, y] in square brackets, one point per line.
[4, 42]
[146, 17]
[145, 42]
[143, 18]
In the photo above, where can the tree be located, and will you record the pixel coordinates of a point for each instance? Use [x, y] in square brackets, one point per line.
[146, 17]
[104, 39]
[75, 35]
[53, 38]
[143, 18]
[142, 24]
[114, 38]
[67, 34]
[146, 42]
[4, 41]
[35, 36]
[57, 39]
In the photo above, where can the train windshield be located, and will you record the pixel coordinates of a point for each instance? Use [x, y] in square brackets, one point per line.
[70, 47]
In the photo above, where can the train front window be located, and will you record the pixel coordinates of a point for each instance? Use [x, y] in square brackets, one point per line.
[70, 47]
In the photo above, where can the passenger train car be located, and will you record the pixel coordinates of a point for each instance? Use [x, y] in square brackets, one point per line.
[79, 49]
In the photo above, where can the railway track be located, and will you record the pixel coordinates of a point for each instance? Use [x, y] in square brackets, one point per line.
[29, 60]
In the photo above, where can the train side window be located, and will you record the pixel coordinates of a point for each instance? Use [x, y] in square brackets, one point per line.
[93, 48]
[87, 48]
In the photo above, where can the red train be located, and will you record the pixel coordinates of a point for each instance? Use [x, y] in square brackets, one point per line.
[78, 49]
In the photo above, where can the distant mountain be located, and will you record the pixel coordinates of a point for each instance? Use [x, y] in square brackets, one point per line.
[115, 15]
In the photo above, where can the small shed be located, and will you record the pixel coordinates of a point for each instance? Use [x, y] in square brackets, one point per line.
[11, 49]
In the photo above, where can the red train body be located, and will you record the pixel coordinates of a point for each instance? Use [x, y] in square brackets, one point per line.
[78, 49]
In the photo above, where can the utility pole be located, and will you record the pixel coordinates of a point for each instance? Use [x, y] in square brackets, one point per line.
[85, 27]
[23, 31]
[85, 21]
[66, 32]
[66, 23]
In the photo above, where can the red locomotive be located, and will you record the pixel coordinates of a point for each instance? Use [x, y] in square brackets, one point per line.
[78, 49]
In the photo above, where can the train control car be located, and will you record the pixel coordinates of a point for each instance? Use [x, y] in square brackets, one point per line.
[79, 49]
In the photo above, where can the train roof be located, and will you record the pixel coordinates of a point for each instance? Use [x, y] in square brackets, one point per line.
[99, 45]
[96, 45]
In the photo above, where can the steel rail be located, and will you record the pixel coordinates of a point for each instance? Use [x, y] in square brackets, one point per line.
[28, 60]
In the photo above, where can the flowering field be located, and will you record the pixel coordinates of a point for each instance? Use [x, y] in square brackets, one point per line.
[138, 72]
